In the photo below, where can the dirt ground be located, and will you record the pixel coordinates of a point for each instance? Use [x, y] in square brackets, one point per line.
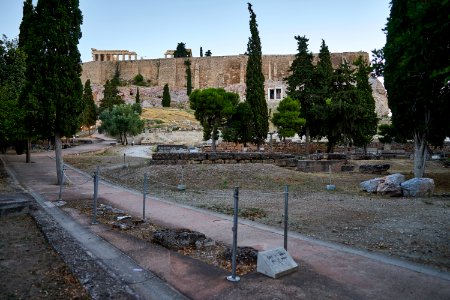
[29, 267]
[415, 229]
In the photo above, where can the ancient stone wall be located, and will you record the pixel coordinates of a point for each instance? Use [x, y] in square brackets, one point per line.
[214, 71]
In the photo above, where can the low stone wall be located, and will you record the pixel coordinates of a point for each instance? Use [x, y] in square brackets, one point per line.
[218, 158]
[314, 166]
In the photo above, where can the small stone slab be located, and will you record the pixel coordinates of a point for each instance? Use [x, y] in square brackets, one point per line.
[275, 263]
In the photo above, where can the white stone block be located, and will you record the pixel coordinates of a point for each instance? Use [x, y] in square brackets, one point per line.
[275, 263]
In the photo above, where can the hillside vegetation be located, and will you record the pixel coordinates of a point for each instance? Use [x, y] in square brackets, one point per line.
[172, 117]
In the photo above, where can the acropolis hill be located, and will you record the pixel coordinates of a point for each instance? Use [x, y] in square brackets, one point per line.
[215, 71]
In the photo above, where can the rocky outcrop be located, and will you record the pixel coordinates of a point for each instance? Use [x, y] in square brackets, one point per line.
[380, 95]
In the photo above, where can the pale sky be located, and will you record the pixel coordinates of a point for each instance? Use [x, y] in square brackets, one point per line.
[150, 27]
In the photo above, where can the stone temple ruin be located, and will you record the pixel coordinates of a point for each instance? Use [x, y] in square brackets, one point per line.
[112, 55]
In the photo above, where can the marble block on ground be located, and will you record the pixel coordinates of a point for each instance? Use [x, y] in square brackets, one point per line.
[275, 263]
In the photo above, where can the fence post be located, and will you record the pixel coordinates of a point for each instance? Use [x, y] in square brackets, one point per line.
[94, 217]
[233, 276]
[286, 212]
[144, 194]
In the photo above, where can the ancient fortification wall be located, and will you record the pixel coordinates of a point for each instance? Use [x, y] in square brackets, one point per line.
[217, 71]
[214, 71]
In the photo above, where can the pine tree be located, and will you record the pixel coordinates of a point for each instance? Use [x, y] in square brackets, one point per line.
[301, 85]
[181, 51]
[366, 121]
[166, 96]
[255, 95]
[417, 74]
[187, 63]
[111, 96]
[89, 114]
[54, 69]
[208, 53]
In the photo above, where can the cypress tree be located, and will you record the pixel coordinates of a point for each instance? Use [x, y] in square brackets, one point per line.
[166, 96]
[110, 96]
[201, 52]
[300, 83]
[53, 75]
[137, 105]
[187, 63]
[89, 114]
[255, 96]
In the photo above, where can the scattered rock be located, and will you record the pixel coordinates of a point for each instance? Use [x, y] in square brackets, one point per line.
[177, 239]
[418, 187]
[391, 185]
[371, 185]
[374, 169]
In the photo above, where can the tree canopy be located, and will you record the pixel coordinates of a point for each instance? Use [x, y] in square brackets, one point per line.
[212, 108]
[111, 96]
[89, 113]
[417, 72]
[53, 88]
[166, 96]
[287, 118]
[255, 95]
[181, 51]
[12, 71]
[121, 121]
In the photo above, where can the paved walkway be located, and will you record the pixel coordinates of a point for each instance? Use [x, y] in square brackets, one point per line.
[326, 270]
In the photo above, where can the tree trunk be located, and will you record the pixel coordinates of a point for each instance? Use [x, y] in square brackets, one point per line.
[213, 141]
[28, 152]
[420, 147]
[307, 143]
[59, 157]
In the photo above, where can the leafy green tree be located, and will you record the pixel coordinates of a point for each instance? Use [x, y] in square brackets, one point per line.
[366, 121]
[121, 121]
[212, 108]
[166, 96]
[181, 51]
[255, 95]
[54, 69]
[89, 114]
[287, 118]
[237, 129]
[300, 84]
[208, 53]
[137, 107]
[388, 134]
[342, 108]
[187, 63]
[417, 73]
[111, 96]
[12, 71]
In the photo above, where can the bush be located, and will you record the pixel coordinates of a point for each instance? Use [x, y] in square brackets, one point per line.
[139, 80]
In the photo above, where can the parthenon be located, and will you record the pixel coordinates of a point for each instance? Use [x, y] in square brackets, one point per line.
[112, 55]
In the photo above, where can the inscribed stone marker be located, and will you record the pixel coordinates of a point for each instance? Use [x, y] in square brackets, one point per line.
[275, 263]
